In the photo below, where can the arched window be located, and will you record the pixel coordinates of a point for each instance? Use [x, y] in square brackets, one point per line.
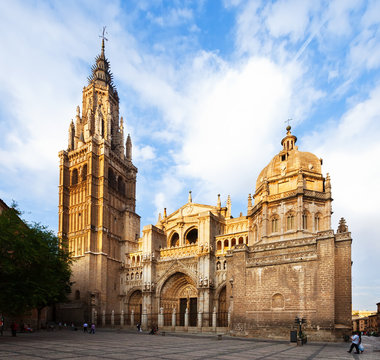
[233, 242]
[121, 185]
[278, 301]
[305, 220]
[218, 266]
[290, 221]
[84, 172]
[226, 245]
[219, 245]
[241, 240]
[111, 179]
[224, 265]
[174, 241]
[274, 224]
[77, 295]
[192, 236]
[74, 177]
[317, 222]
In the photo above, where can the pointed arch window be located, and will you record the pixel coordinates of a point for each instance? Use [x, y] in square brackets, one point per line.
[84, 172]
[317, 222]
[274, 224]
[305, 220]
[290, 222]
[74, 177]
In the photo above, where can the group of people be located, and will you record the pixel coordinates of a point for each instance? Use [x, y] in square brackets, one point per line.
[86, 327]
[153, 330]
[356, 342]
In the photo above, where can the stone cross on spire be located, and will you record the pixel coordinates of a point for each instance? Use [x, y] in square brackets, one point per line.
[103, 38]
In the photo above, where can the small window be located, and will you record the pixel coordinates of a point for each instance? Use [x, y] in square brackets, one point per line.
[84, 172]
[283, 157]
[304, 221]
[74, 177]
[317, 222]
[274, 225]
[290, 222]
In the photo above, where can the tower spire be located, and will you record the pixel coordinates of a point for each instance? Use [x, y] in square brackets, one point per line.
[101, 70]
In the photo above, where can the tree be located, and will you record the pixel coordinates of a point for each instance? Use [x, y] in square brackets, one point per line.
[34, 266]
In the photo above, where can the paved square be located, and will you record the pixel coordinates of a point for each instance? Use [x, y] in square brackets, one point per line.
[107, 344]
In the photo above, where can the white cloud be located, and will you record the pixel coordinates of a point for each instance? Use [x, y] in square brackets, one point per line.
[351, 151]
[144, 153]
[289, 18]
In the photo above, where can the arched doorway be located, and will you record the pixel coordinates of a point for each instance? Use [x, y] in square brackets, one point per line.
[179, 292]
[222, 308]
[135, 304]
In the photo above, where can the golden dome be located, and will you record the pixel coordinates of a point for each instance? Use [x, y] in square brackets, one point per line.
[289, 161]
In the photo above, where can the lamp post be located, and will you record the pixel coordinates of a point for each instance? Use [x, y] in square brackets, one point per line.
[299, 321]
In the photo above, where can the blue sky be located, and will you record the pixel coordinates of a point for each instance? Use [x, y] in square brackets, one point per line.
[205, 88]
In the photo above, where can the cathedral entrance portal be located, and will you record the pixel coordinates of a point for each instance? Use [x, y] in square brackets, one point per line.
[179, 292]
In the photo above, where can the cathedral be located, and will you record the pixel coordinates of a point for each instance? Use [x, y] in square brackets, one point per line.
[198, 269]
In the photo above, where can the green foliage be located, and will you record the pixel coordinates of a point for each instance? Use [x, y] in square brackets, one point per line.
[34, 267]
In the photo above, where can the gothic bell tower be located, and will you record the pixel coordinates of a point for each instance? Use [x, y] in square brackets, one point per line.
[97, 197]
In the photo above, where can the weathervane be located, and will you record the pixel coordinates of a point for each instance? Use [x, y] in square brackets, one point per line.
[288, 121]
[104, 32]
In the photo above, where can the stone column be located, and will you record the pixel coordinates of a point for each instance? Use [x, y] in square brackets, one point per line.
[186, 318]
[199, 320]
[132, 317]
[229, 316]
[173, 318]
[161, 318]
[104, 318]
[95, 317]
[144, 319]
[214, 318]
[122, 318]
[112, 318]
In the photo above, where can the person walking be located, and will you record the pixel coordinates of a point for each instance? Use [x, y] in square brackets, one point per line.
[1, 325]
[14, 328]
[85, 327]
[355, 343]
[92, 330]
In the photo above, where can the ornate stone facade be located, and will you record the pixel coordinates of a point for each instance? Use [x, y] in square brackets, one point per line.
[200, 269]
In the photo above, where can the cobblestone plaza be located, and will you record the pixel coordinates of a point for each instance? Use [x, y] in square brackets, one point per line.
[104, 344]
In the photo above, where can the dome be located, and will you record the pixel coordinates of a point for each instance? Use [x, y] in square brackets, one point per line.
[289, 161]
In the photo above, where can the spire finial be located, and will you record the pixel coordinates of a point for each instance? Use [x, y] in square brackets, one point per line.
[219, 204]
[103, 38]
[190, 198]
[289, 140]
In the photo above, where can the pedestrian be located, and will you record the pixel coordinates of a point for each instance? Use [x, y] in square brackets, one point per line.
[92, 331]
[85, 327]
[138, 327]
[355, 343]
[14, 328]
[1, 325]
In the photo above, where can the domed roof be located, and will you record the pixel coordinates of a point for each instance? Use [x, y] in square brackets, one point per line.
[288, 161]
